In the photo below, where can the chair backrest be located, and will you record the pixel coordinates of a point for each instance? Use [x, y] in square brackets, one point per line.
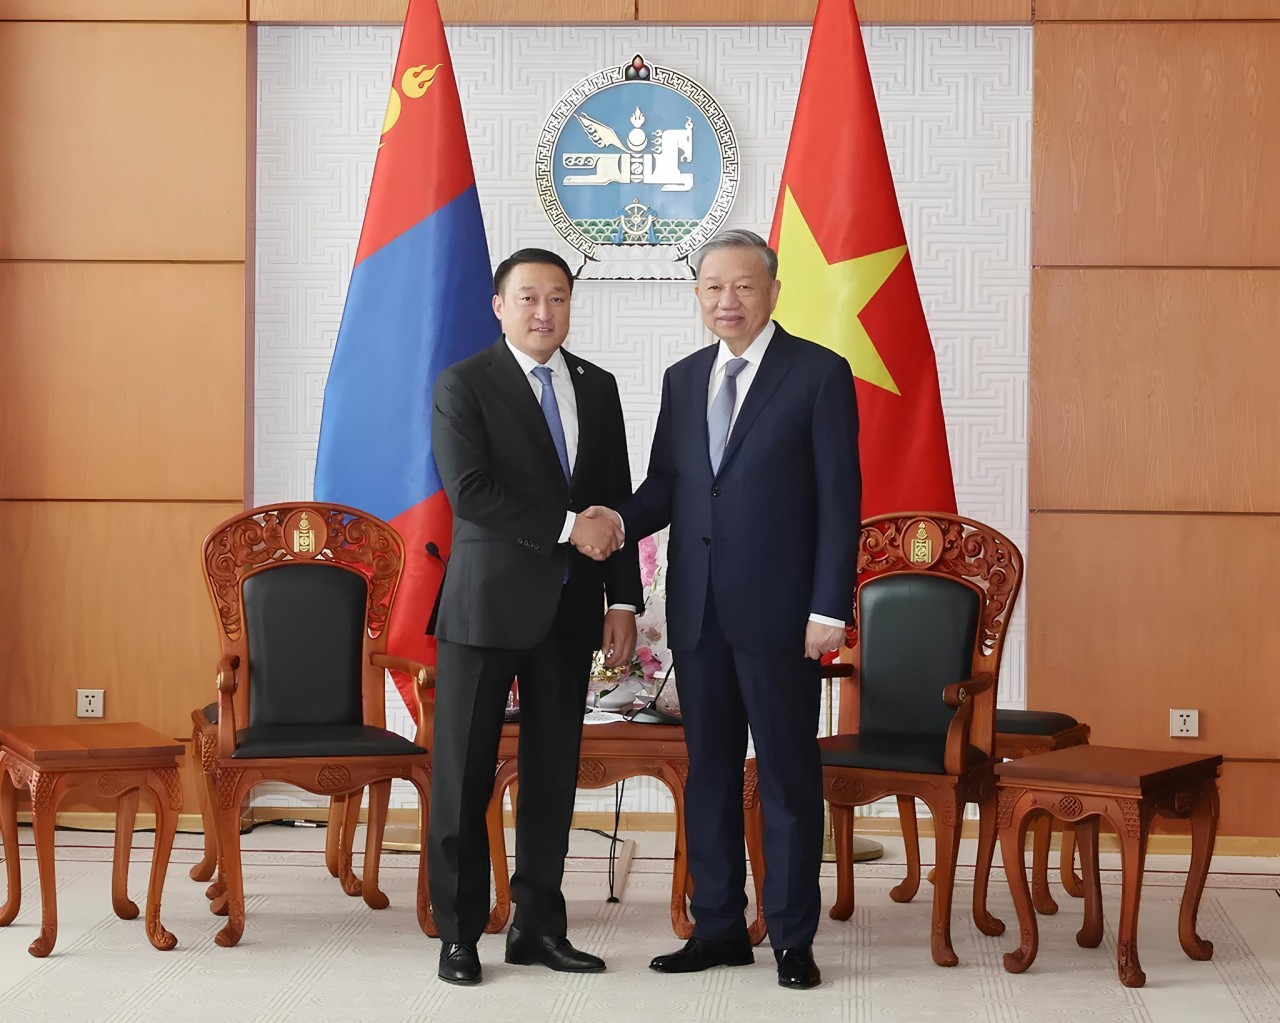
[302, 593]
[934, 599]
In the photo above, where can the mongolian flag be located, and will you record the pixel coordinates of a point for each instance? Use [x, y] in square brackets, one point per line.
[419, 300]
[846, 276]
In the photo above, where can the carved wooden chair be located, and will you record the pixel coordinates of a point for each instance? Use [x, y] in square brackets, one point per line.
[917, 697]
[302, 594]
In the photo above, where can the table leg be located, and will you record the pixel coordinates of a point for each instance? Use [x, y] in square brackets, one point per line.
[1131, 827]
[165, 786]
[46, 788]
[1041, 840]
[1090, 933]
[1071, 881]
[1204, 829]
[1013, 841]
[9, 833]
[126, 814]
[681, 882]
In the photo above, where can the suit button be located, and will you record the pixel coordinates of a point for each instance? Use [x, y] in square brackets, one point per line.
[715, 491]
[707, 540]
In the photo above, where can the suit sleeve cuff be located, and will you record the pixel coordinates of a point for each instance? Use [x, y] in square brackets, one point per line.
[824, 620]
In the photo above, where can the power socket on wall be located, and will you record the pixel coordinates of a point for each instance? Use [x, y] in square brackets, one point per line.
[1184, 724]
[89, 703]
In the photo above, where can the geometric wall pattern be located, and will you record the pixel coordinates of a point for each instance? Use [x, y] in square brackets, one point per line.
[955, 103]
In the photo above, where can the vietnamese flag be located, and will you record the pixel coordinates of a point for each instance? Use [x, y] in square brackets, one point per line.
[419, 300]
[846, 275]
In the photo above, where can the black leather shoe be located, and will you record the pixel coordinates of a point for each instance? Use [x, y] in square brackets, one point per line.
[796, 967]
[459, 963]
[524, 949]
[698, 955]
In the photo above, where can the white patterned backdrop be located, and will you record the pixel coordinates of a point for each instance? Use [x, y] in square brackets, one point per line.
[956, 108]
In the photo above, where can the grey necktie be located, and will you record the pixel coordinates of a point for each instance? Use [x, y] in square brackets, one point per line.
[551, 412]
[721, 413]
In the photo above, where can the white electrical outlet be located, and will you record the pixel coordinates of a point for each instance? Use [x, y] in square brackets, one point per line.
[89, 703]
[1183, 723]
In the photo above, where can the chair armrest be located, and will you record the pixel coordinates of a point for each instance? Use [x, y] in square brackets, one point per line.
[227, 683]
[424, 678]
[956, 694]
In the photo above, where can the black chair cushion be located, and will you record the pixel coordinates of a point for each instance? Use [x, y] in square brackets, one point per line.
[917, 754]
[211, 713]
[1033, 722]
[305, 628]
[917, 634]
[321, 741]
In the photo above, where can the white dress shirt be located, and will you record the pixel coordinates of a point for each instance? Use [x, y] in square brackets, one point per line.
[754, 354]
[567, 400]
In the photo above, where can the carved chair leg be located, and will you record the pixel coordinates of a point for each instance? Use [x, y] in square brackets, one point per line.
[842, 824]
[1013, 851]
[681, 880]
[1071, 881]
[233, 874]
[9, 831]
[206, 796]
[168, 801]
[1090, 933]
[906, 890]
[753, 816]
[1204, 828]
[985, 922]
[346, 845]
[44, 810]
[126, 814]
[501, 912]
[379, 799]
[1041, 837]
[1131, 828]
[421, 778]
[333, 834]
[948, 813]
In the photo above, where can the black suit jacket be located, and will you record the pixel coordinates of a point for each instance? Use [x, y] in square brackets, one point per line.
[775, 532]
[505, 579]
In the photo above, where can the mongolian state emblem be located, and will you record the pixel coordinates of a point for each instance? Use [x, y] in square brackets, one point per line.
[637, 166]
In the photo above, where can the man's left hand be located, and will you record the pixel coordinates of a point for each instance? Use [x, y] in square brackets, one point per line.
[619, 641]
[822, 639]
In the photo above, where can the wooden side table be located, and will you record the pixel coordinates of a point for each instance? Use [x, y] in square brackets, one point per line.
[609, 754]
[1128, 787]
[116, 761]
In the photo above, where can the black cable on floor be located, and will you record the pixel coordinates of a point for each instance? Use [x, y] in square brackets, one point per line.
[613, 840]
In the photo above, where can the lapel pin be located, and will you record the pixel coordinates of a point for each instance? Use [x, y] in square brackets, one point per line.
[580, 371]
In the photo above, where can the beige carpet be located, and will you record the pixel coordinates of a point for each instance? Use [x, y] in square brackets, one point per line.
[310, 953]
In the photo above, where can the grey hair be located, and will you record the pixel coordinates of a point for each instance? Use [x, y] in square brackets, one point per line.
[736, 239]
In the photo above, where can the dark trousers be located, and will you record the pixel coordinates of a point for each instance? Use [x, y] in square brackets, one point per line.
[722, 691]
[472, 684]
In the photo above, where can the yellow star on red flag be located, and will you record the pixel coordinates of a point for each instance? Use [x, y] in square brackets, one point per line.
[822, 300]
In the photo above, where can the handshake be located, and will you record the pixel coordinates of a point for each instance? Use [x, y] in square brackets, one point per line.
[597, 532]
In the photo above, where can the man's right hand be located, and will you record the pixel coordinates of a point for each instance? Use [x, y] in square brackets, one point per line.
[596, 532]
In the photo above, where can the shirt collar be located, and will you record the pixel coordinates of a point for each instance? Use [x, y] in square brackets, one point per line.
[754, 352]
[557, 365]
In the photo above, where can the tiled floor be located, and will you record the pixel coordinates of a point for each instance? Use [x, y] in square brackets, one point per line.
[310, 953]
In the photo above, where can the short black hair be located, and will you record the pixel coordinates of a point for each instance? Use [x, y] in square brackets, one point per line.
[521, 256]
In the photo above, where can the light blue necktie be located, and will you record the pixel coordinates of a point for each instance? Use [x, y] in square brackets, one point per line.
[551, 410]
[721, 413]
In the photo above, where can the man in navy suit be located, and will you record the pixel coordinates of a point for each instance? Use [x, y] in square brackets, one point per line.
[755, 468]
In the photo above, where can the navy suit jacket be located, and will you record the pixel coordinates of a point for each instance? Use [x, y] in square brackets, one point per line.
[775, 532]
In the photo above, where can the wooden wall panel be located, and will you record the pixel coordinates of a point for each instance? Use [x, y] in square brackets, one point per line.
[1152, 144]
[108, 596]
[1156, 10]
[1129, 615]
[122, 380]
[1250, 794]
[870, 12]
[1155, 390]
[123, 10]
[123, 141]
[463, 12]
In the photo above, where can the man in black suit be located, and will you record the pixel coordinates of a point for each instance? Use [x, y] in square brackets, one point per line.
[525, 435]
[755, 468]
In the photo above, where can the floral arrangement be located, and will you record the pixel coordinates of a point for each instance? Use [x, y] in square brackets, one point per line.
[652, 656]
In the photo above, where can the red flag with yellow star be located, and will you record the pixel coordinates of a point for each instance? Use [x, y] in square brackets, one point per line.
[846, 275]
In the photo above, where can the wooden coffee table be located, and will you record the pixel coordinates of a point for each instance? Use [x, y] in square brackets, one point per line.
[115, 761]
[1128, 787]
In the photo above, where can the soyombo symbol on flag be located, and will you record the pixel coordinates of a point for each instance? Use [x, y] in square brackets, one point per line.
[846, 276]
[419, 300]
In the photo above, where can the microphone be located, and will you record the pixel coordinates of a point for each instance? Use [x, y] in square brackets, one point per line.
[434, 552]
[650, 714]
